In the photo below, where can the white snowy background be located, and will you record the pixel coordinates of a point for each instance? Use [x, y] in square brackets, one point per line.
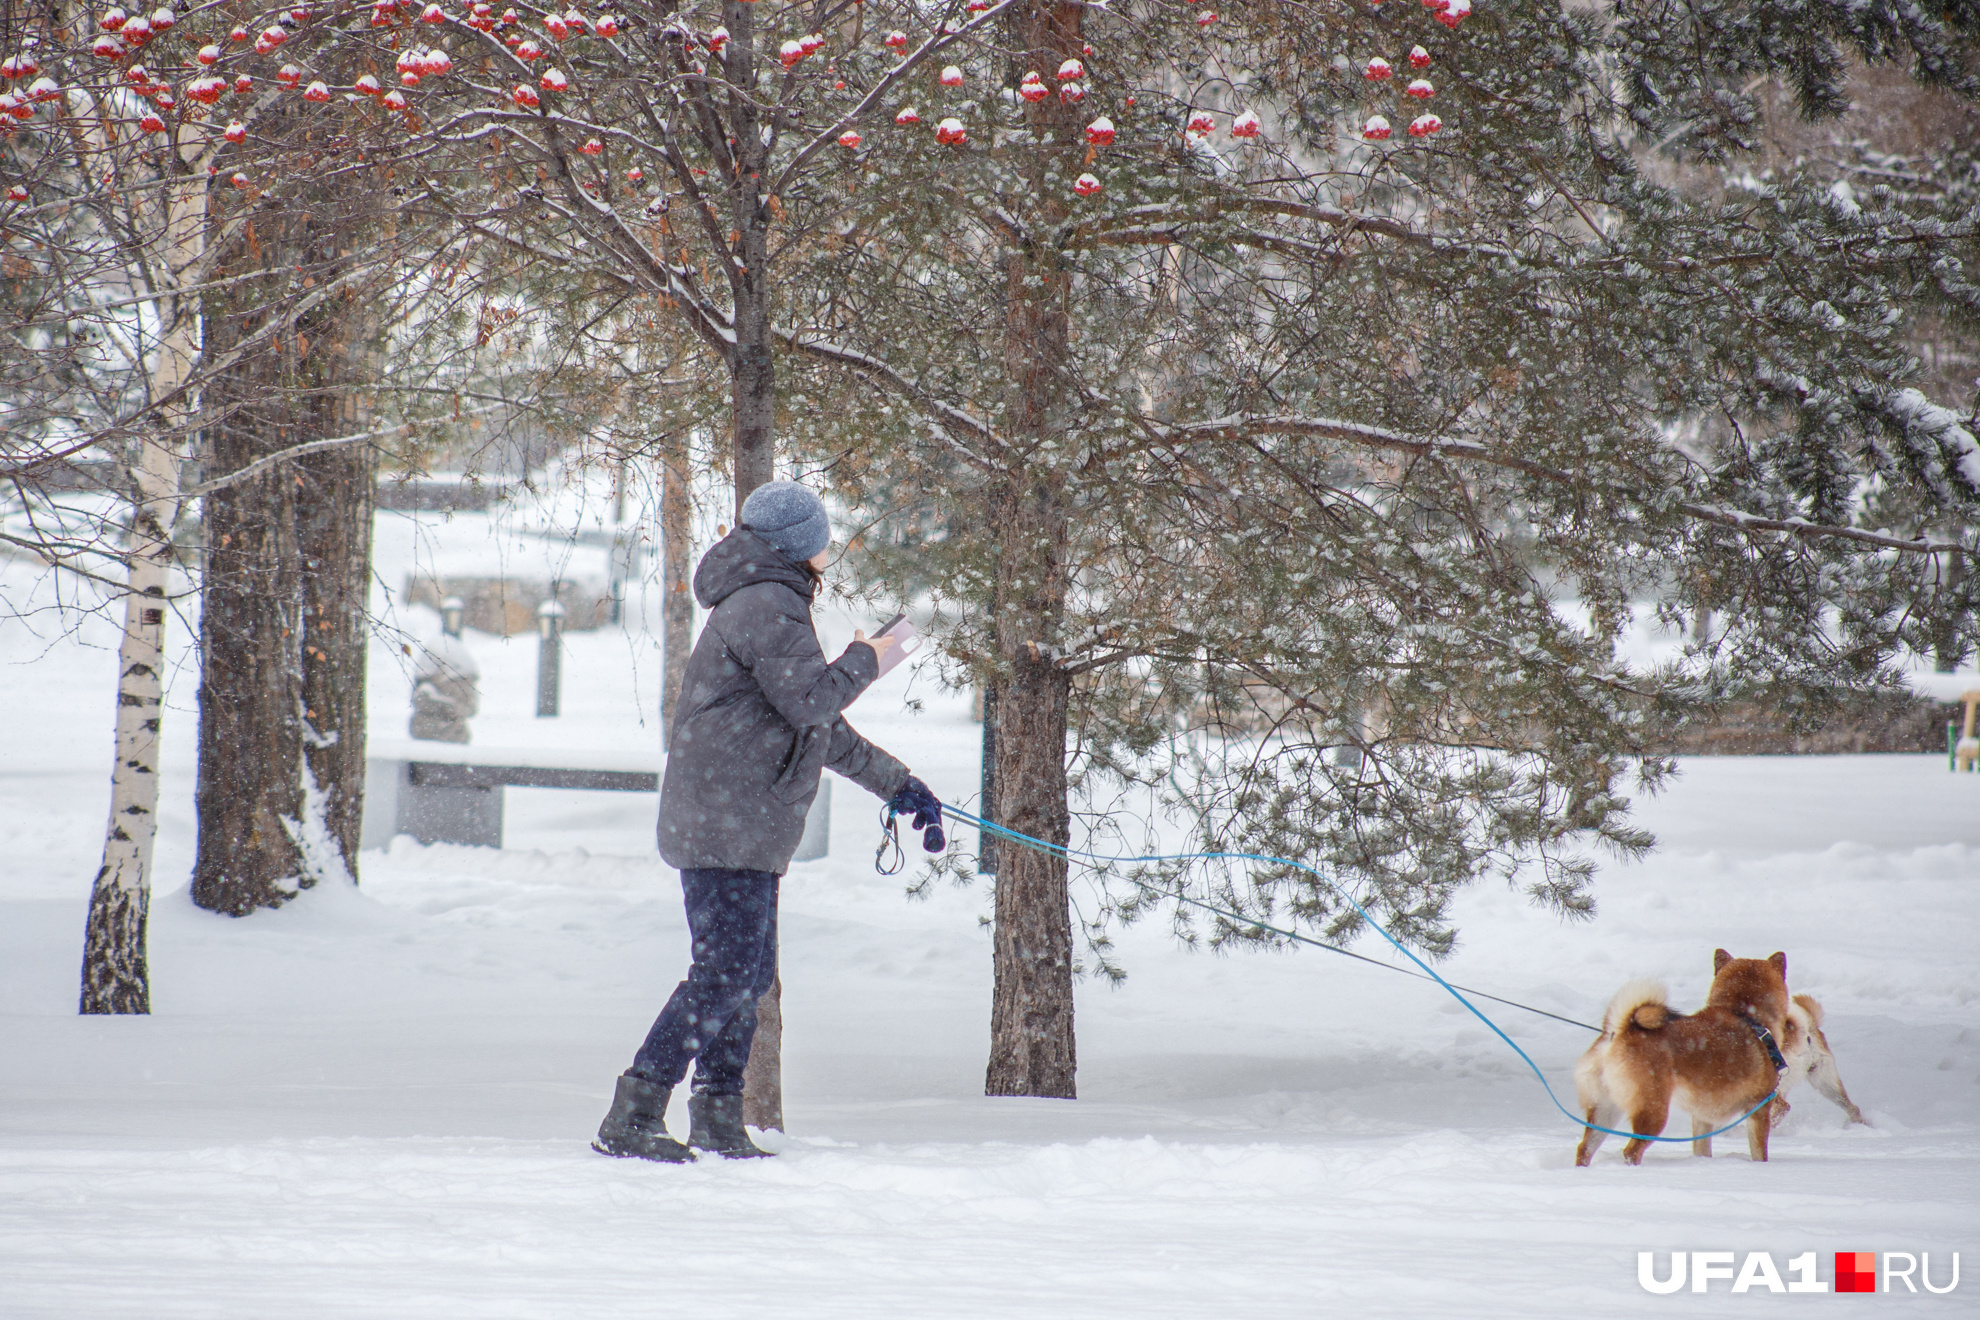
[376, 1101]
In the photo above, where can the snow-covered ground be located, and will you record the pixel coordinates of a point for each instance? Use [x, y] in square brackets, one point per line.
[377, 1101]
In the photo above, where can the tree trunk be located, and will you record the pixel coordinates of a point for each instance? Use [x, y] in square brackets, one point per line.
[763, 1079]
[336, 490]
[752, 365]
[116, 975]
[250, 801]
[755, 393]
[676, 572]
[753, 378]
[1949, 645]
[1032, 1049]
[755, 406]
[753, 397]
[282, 705]
[336, 494]
[986, 842]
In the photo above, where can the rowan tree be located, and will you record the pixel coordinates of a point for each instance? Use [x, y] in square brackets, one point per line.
[667, 156]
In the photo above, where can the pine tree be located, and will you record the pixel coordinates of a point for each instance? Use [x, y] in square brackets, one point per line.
[1298, 434]
[1360, 447]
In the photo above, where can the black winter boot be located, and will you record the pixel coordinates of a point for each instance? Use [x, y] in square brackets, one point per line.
[637, 1125]
[716, 1124]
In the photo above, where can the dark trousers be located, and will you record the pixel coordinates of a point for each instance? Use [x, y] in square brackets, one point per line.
[711, 1018]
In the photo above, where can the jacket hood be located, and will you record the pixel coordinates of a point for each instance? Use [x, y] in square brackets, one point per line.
[743, 559]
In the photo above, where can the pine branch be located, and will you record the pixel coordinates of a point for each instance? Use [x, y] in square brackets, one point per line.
[1472, 451]
[280, 456]
[904, 387]
[1748, 522]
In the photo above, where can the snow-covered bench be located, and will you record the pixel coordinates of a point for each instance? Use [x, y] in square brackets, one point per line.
[452, 793]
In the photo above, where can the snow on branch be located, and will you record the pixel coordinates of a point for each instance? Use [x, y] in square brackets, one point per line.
[1244, 424]
[1950, 435]
[1472, 451]
[1748, 522]
[940, 40]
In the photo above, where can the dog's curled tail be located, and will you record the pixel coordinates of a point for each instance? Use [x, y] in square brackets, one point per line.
[1639, 1004]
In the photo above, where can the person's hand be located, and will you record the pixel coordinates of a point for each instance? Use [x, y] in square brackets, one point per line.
[915, 798]
[879, 644]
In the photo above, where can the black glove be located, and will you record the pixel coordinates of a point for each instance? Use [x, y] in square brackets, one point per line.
[913, 798]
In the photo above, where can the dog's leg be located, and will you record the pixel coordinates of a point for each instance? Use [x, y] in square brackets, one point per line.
[1591, 1138]
[1647, 1118]
[1828, 1082]
[1701, 1145]
[1757, 1129]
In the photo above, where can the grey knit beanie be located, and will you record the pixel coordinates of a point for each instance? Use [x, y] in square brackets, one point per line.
[788, 516]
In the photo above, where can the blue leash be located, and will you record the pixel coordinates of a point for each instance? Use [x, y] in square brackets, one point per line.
[1098, 860]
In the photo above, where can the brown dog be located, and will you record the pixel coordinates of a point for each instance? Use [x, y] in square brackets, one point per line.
[1715, 1064]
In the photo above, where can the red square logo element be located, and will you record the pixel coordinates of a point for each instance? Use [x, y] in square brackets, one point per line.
[1856, 1271]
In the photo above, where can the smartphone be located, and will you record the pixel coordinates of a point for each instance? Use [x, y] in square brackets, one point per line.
[907, 642]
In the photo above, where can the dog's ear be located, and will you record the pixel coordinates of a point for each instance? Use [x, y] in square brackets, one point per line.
[1719, 960]
[1780, 963]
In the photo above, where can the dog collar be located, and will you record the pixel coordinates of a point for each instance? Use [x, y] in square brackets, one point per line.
[1766, 1039]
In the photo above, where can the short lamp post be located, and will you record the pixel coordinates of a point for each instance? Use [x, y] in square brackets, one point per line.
[549, 657]
[452, 610]
[623, 551]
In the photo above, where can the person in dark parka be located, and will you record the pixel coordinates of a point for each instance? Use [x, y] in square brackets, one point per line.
[758, 718]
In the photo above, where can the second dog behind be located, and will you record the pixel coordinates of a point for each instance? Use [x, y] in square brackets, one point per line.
[1809, 1059]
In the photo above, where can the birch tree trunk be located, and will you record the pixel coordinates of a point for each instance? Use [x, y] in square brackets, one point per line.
[115, 975]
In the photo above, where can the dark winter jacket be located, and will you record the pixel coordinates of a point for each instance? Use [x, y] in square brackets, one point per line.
[758, 716]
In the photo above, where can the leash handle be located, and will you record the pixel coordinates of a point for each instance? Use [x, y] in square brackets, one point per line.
[889, 838]
[1099, 860]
